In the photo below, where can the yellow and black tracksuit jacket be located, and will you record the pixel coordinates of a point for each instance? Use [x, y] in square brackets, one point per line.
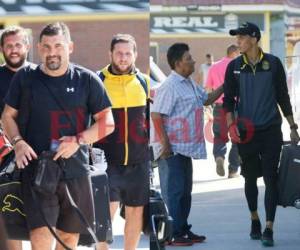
[128, 144]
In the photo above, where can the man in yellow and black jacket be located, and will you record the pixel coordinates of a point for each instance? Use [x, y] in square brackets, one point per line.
[127, 148]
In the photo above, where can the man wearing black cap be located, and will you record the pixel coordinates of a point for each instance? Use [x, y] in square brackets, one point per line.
[255, 83]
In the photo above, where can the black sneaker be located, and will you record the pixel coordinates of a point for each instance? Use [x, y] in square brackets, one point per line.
[181, 241]
[267, 238]
[195, 238]
[255, 233]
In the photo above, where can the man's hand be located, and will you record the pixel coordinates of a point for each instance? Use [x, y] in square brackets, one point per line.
[67, 147]
[294, 136]
[166, 150]
[24, 153]
[234, 133]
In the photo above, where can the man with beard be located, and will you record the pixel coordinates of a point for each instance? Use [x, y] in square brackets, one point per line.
[126, 149]
[84, 97]
[14, 46]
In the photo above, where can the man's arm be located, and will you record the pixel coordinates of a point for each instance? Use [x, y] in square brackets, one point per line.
[284, 102]
[201, 76]
[232, 128]
[214, 95]
[24, 153]
[229, 102]
[103, 126]
[294, 135]
[158, 123]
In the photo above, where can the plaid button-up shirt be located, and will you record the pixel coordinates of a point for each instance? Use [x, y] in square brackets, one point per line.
[180, 102]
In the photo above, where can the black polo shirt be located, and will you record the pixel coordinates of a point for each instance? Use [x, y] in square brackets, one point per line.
[5, 78]
[79, 90]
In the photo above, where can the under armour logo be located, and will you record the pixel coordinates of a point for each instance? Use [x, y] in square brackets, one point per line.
[70, 90]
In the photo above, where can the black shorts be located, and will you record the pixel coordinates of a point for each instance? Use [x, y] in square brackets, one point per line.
[57, 207]
[260, 156]
[129, 184]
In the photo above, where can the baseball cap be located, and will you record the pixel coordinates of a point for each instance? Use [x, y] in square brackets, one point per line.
[246, 29]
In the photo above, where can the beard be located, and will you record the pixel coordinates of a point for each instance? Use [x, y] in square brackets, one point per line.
[122, 71]
[15, 65]
[53, 64]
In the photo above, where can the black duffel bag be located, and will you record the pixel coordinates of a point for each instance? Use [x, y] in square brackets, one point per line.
[11, 205]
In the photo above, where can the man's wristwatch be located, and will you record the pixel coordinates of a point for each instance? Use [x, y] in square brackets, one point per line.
[294, 126]
[16, 139]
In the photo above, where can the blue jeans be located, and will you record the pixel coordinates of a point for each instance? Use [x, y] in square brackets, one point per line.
[219, 150]
[179, 189]
[221, 138]
[163, 178]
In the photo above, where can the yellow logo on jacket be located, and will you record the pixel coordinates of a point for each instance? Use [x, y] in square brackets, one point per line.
[265, 65]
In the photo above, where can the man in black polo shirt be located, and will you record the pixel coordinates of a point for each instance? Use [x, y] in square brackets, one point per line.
[15, 47]
[83, 96]
[255, 83]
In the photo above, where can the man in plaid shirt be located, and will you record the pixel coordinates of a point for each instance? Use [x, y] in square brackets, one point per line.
[178, 120]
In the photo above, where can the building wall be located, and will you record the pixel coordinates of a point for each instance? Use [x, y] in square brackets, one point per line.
[92, 39]
[199, 47]
[277, 36]
[205, 32]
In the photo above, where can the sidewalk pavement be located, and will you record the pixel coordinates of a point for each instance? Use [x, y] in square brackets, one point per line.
[222, 216]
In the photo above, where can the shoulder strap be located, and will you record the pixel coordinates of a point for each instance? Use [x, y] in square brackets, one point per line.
[38, 205]
[139, 76]
[60, 103]
[143, 82]
[101, 75]
[25, 102]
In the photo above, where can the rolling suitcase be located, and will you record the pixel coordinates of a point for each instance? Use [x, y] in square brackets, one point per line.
[289, 176]
[103, 226]
[157, 223]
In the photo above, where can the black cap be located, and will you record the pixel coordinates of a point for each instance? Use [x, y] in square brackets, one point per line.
[247, 29]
